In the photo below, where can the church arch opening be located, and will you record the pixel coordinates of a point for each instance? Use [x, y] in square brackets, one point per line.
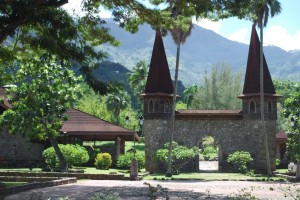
[209, 154]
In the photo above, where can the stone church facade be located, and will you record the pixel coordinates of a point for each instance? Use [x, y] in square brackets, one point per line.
[233, 130]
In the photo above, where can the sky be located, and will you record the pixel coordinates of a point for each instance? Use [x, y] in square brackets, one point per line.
[283, 30]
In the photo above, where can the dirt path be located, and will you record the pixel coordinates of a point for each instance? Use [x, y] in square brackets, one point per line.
[135, 190]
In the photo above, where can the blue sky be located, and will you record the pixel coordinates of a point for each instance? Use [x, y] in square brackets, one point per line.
[283, 30]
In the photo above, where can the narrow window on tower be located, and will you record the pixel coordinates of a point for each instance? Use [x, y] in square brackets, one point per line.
[151, 106]
[252, 106]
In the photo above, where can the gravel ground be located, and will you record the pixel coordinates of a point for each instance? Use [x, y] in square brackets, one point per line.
[137, 190]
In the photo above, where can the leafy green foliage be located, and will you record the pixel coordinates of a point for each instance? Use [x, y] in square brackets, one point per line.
[219, 90]
[180, 155]
[124, 160]
[292, 112]
[102, 196]
[103, 161]
[240, 159]
[210, 153]
[43, 92]
[75, 155]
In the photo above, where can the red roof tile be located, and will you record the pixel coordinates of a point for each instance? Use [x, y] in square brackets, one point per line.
[252, 81]
[159, 78]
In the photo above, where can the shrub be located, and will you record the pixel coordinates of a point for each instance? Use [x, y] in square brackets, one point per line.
[124, 160]
[240, 160]
[210, 153]
[180, 155]
[74, 155]
[277, 162]
[103, 161]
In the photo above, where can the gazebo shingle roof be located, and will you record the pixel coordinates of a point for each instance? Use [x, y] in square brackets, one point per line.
[159, 79]
[89, 127]
[252, 80]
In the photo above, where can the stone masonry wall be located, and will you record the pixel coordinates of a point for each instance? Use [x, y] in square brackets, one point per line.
[16, 148]
[230, 134]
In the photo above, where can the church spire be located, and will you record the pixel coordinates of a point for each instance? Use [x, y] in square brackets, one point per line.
[159, 79]
[252, 81]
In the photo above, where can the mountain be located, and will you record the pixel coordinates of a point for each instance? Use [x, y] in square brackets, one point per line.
[201, 50]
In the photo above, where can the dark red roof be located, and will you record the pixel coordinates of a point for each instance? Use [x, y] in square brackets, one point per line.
[281, 135]
[89, 127]
[209, 112]
[159, 78]
[252, 80]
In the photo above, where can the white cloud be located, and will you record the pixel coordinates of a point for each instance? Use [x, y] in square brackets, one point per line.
[241, 36]
[75, 6]
[279, 36]
[207, 24]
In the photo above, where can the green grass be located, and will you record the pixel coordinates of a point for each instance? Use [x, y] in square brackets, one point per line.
[210, 177]
[11, 184]
[139, 146]
[281, 171]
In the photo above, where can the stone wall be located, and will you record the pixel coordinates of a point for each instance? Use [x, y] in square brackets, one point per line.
[231, 134]
[16, 149]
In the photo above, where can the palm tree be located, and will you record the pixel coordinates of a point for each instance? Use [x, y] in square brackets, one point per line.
[116, 101]
[189, 94]
[179, 36]
[138, 77]
[262, 10]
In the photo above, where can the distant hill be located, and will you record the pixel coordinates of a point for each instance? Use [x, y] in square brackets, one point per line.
[202, 49]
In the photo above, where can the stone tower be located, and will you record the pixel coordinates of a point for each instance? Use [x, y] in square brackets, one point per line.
[250, 97]
[157, 102]
[251, 92]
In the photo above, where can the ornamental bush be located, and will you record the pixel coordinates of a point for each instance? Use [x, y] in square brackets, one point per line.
[240, 160]
[180, 155]
[103, 161]
[74, 155]
[124, 160]
[210, 153]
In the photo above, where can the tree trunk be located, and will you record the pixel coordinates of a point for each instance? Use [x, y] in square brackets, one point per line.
[59, 155]
[262, 107]
[169, 167]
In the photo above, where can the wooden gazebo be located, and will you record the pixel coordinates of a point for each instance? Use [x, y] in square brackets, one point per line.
[90, 128]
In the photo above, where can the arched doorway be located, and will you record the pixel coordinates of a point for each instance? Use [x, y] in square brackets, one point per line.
[209, 154]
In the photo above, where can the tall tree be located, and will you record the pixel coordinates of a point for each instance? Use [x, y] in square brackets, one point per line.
[179, 37]
[219, 89]
[137, 78]
[263, 9]
[43, 92]
[116, 101]
[292, 112]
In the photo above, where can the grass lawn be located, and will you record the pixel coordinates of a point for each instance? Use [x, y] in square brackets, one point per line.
[212, 176]
[203, 176]
[11, 184]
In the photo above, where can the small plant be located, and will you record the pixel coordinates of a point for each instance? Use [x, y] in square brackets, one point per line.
[73, 155]
[210, 153]
[101, 196]
[124, 160]
[277, 162]
[180, 155]
[157, 192]
[103, 161]
[242, 195]
[240, 160]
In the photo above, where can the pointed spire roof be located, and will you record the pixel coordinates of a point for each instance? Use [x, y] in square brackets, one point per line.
[159, 80]
[252, 80]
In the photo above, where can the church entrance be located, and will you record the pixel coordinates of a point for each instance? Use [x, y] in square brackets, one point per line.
[209, 154]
